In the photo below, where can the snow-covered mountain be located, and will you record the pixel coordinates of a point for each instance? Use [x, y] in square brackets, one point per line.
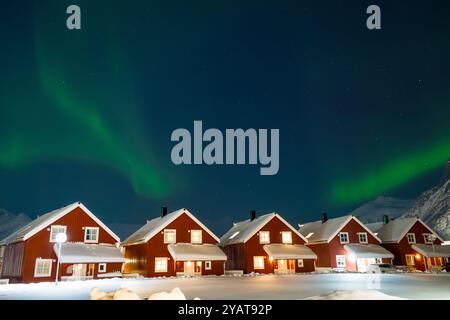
[374, 210]
[433, 207]
[10, 222]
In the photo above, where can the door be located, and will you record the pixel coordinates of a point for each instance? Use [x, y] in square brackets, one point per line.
[282, 266]
[189, 267]
[362, 263]
[79, 270]
[291, 266]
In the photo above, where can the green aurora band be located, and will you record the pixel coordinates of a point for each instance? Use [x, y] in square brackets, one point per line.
[390, 175]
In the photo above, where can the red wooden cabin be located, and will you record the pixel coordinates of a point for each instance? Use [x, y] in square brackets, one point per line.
[413, 243]
[175, 243]
[266, 244]
[90, 251]
[344, 243]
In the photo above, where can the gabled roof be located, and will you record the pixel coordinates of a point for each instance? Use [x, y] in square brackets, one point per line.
[395, 230]
[152, 227]
[318, 232]
[242, 231]
[47, 219]
[374, 226]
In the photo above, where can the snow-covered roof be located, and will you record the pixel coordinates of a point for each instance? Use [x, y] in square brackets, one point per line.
[152, 227]
[75, 252]
[242, 231]
[289, 251]
[395, 230]
[374, 226]
[47, 219]
[368, 251]
[317, 232]
[196, 252]
[428, 251]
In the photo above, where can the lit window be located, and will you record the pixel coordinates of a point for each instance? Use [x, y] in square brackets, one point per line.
[207, 265]
[170, 236]
[43, 268]
[286, 237]
[362, 237]
[264, 237]
[160, 264]
[258, 262]
[340, 261]
[91, 234]
[410, 260]
[102, 267]
[54, 230]
[428, 238]
[411, 238]
[300, 263]
[343, 237]
[196, 236]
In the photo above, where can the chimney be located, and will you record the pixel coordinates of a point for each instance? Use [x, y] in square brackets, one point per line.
[324, 217]
[252, 215]
[385, 219]
[163, 212]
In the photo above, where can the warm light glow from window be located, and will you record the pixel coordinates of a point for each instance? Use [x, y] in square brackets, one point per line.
[418, 256]
[271, 259]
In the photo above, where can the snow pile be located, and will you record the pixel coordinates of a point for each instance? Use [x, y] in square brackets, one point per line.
[354, 295]
[175, 294]
[119, 294]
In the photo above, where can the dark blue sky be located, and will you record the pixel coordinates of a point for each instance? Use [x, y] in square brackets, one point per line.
[87, 115]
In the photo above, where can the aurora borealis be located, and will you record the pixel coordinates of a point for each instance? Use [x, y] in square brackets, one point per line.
[87, 115]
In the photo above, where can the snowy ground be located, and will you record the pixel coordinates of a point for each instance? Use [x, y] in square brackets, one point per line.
[301, 286]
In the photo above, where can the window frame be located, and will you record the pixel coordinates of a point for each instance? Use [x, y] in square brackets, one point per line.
[208, 265]
[201, 236]
[366, 241]
[255, 265]
[268, 237]
[283, 238]
[166, 231]
[413, 235]
[300, 263]
[41, 275]
[425, 238]
[53, 233]
[102, 268]
[340, 237]
[343, 257]
[412, 257]
[86, 232]
[166, 264]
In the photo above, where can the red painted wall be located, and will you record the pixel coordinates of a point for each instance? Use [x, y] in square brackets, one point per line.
[401, 249]
[327, 252]
[240, 256]
[39, 245]
[144, 254]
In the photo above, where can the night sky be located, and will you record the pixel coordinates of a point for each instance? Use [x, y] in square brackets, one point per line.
[87, 115]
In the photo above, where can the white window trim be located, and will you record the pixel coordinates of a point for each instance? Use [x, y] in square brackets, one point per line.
[337, 261]
[300, 263]
[85, 234]
[412, 256]
[201, 236]
[340, 238]
[414, 236]
[161, 259]
[208, 265]
[175, 235]
[282, 237]
[56, 226]
[36, 275]
[363, 233]
[268, 237]
[254, 264]
[101, 267]
[425, 236]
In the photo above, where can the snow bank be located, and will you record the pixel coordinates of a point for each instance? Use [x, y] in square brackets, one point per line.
[119, 294]
[354, 295]
[175, 294]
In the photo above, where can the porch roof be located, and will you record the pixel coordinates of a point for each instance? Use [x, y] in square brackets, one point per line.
[428, 251]
[368, 251]
[196, 252]
[289, 251]
[73, 252]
